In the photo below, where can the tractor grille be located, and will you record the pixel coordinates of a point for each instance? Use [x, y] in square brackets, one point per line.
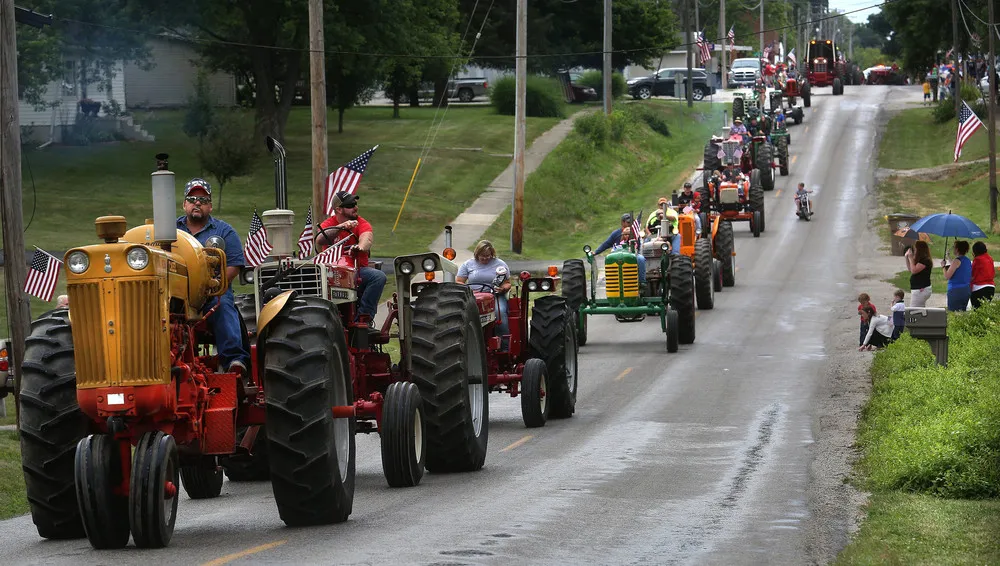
[622, 280]
[143, 336]
[88, 333]
[307, 280]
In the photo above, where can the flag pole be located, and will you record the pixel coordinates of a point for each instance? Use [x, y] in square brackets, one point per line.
[48, 254]
[408, 187]
[991, 130]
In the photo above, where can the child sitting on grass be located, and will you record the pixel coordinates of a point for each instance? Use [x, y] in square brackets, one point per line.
[863, 301]
[898, 314]
[879, 329]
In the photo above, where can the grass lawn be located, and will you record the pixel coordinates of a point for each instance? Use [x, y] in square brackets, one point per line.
[912, 140]
[9, 402]
[579, 192]
[913, 529]
[13, 501]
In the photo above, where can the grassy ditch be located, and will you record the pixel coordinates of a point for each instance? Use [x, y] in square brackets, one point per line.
[913, 140]
[607, 167]
[930, 441]
[13, 500]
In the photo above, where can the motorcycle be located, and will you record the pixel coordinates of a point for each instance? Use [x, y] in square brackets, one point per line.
[802, 207]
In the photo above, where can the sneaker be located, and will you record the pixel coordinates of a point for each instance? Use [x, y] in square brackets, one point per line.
[238, 367]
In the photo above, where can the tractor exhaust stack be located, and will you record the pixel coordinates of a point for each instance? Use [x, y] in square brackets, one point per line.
[279, 221]
[164, 203]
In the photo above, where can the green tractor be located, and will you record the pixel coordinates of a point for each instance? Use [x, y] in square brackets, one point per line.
[673, 300]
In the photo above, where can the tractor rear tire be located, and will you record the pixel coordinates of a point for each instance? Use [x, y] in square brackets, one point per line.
[806, 95]
[249, 467]
[312, 454]
[552, 338]
[706, 227]
[246, 305]
[449, 367]
[711, 163]
[98, 473]
[738, 108]
[838, 87]
[782, 148]
[703, 276]
[152, 505]
[672, 331]
[717, 285]
[201, 482]
[725, 243]
[682, 296]
[404, 443]
[574, 290]
[51, 426]
[765, 161]
[756, 196]
[534, 394]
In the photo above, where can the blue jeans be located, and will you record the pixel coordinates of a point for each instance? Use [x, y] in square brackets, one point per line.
[372, 283]
[675, 244]
[958, 298]
[225, 325]
[641, 259]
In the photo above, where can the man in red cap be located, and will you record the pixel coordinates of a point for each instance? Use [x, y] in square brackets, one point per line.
[345, 223]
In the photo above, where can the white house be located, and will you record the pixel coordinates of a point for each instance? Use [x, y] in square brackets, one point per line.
[170, 81]
[62, 97]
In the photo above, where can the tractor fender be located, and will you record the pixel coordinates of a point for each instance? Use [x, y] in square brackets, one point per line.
[272, 309]
[715, 227]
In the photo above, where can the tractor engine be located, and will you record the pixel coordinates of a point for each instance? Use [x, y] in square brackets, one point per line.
[621, 273]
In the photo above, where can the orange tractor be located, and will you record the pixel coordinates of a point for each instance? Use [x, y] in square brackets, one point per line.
[730, 192]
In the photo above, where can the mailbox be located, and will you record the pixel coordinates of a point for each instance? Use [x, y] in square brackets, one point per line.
[931, 325]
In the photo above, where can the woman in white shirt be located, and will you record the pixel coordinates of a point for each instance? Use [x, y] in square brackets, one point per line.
[879, 329]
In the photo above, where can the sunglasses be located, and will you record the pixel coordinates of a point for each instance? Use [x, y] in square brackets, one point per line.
[198, 200]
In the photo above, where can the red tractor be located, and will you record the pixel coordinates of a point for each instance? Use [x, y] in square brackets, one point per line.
[736, 195]
[823, 67]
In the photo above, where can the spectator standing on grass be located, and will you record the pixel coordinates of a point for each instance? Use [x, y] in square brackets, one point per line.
[919, 263]
[932, 77]
[879, 329]
[864, 300]
[959, 276]
[898, 314]
[927, 91]
[983, 275]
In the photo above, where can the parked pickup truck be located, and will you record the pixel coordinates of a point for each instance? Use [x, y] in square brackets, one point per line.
[465, 90]
[745, 72]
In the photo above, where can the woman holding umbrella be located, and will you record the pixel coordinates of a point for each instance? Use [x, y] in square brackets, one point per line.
[959, 276]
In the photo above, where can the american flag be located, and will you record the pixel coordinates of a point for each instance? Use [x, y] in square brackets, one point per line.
[42, 275]
[257, 246]
[767, 51]
[791, 57]
[732, 40]
[346, 178]
[704, 50]
[968, 123]
[636, 226]
[329, 256]
[306, 237]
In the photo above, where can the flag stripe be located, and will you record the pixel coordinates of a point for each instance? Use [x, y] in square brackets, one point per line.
[306, 237]
[43, 274]
[968, 123]
[257, 247]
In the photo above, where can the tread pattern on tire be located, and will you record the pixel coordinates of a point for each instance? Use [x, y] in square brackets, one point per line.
[401, 469]
[703, 273]
[304, 359]
[725, 242]
[738, 108]
[51, 426]
[551, 319]
[440, 337]
[574, 289]
[765, 158]
[682, 296]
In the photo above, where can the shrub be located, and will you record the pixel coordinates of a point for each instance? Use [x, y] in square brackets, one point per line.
[595, 80]
[651, 117]
[544, 97]
[593, 127]
[229, 149]
[944, 111]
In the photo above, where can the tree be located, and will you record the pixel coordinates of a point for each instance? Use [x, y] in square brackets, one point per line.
[351, 77]
[229, 149]
[200, 109]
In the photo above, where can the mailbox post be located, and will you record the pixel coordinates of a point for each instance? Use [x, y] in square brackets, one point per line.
[931, 325]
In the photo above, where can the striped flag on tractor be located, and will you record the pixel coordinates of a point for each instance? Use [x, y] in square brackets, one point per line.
[968, 123]
[43, 274]
[306, 237]
[636, 233]
[329, 256]
[346, 178]
[257, 248]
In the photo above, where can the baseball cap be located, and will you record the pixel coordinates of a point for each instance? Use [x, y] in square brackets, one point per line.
[687, 185]
[626, 217]
[737, 121]
[347, 200]
[197, 183]
[663, 200]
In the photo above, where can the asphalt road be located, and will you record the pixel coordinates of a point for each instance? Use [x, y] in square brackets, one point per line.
[699, 457]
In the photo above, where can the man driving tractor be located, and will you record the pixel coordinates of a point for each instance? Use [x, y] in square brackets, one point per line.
[618, 239]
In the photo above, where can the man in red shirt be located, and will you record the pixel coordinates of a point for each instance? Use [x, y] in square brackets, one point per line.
[345, 222]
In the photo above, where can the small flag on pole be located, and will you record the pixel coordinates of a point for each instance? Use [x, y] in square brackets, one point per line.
[346, 178]
[257, 247]
[968, 123]
[791, 56]
[704, 51]
[636, 227]
[732, 40]
[329, 256]
[306, 237]
[43, 273]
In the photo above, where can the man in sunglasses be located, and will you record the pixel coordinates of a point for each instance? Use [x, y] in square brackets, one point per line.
[225, 322]
[345, 223]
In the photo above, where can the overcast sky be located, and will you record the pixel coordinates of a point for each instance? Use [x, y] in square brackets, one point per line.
[851, 5]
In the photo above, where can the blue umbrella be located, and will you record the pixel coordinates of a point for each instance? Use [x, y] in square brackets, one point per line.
[948, 225]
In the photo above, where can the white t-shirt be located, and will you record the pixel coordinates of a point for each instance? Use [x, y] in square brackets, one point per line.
[880, 323]
[479, 273]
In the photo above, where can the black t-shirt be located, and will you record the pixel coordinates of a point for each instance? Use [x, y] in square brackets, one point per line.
[922, 279]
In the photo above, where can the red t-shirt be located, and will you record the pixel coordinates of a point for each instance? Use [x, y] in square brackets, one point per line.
[870, 303]
[983, 272]
[361, 258]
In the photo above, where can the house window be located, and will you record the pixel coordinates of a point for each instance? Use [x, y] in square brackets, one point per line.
[69, 78]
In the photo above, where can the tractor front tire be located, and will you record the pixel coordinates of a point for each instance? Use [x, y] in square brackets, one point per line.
[552, 338]
[838, 87]
[755, 223]
[449, 368]
[51, 426]
[312, 454]
[682, 296]
[98, 473]
[806, 95]
[782, 148]
[672, 331]
[152, 496]
[404, 443]
[201, 482]
[574, 289]
[703, 274]
[534, 394]
[738, 108]
[725, 244]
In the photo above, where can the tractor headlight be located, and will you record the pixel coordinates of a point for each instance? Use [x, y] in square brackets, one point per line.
[406, 268]
[78, 262]
[664, 247]
[546, 285]
[248, 276]
[586, 249]
[429, 264]
[138, 258]
[532, 285]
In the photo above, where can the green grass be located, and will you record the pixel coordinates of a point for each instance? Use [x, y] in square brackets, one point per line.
[13, 501]
[919, 529]
[912, 140]
[8, 401]
[579, 192]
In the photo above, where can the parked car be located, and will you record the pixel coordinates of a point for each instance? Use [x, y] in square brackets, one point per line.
[465, 90]
[745, 72]
[662, 84]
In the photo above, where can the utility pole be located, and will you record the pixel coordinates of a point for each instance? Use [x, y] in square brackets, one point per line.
[850, 41]
[317, 96]
[687, 31]
[15, 268]
[762, 28]
[991, 129]
[606, 75]
[954, 53]
[697, 21]
[521, 77]
[784, 33]
[723, 38]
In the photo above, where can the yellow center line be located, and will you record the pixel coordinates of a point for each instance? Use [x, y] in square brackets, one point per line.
[623, 374]
[792, 160]
[806, 130]
[514, 445]
[237, 555]
[777, 193]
